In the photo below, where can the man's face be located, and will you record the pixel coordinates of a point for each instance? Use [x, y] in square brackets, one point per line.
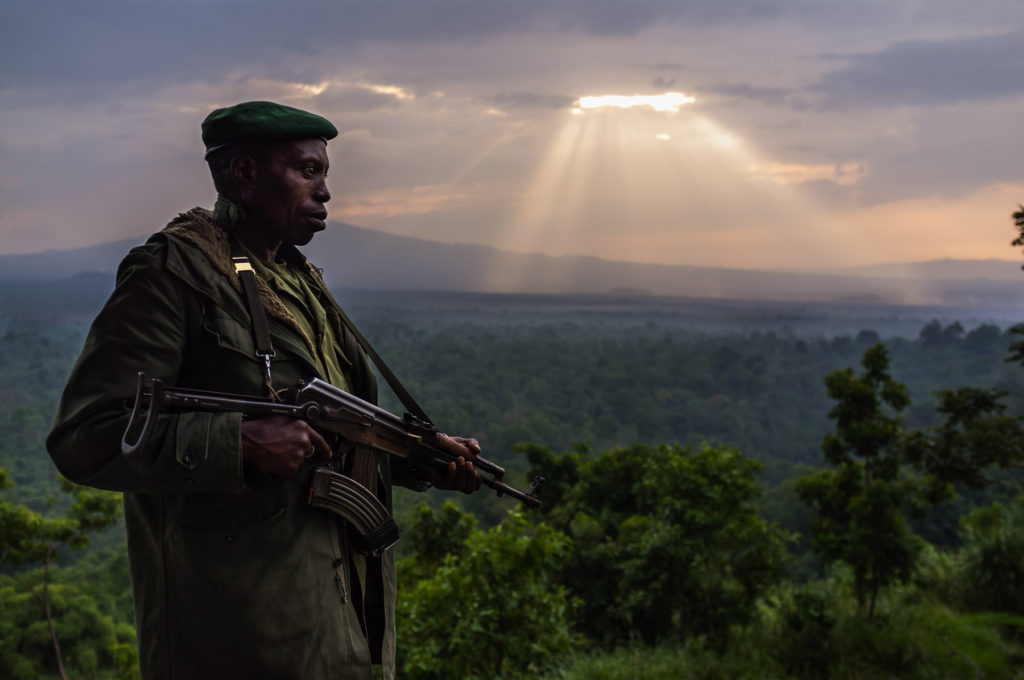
[289, 191]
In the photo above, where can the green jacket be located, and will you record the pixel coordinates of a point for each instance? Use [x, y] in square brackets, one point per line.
[233, 574]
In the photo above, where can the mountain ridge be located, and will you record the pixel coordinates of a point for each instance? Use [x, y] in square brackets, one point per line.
[355, 257]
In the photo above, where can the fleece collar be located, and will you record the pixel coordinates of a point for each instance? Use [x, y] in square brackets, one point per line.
[199, 228]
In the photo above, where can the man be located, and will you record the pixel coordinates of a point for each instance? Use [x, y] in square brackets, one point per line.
[234, 575]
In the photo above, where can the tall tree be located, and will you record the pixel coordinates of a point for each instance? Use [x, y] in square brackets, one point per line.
[27, 537]
[860, 504]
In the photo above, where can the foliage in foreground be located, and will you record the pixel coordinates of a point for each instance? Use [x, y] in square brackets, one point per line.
[46, 623]
[491, 607]
[818, 631]
[815, 632]
[667, 540]
[92, 643]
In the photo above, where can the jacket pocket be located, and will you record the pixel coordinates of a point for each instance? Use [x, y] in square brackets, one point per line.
[231, 335]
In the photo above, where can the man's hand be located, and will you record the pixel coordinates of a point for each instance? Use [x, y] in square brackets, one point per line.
[460, 475]
[280, 445]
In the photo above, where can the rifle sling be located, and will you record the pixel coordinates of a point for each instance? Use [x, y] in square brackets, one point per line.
[265, 350]
[408, 401]
[260, 333]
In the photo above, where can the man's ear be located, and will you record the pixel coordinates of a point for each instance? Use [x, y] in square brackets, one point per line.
[243, 170]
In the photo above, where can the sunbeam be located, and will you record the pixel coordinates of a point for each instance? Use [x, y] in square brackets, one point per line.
[641, 183]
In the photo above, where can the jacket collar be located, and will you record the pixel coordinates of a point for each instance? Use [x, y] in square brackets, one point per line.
[201, 229]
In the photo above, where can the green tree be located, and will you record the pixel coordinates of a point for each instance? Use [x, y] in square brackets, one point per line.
[666, 539]
[27, 537]
[975, 436]
[92, 643]
[859, 505]
[490, 608]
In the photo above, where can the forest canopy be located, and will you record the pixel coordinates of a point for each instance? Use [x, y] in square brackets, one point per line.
[677, 513]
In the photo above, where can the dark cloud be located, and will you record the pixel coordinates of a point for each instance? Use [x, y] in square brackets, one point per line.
[530, 100]
[745, 91]
[939, 172]
[70, 50]
[951, 152]
[929, 73]
[834, 195]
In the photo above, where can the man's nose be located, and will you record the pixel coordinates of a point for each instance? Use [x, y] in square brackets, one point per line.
[321, 192]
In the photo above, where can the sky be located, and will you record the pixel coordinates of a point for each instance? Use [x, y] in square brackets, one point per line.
[737, 133]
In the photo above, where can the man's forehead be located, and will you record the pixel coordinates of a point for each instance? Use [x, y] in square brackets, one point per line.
[299, 149]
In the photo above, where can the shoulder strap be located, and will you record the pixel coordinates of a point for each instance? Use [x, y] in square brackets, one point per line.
[265, 350]
[260, 334]
[408, 401]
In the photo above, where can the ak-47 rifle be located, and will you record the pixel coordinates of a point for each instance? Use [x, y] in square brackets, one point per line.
[330, 409]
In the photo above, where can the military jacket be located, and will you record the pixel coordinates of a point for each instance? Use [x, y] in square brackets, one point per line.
[233, 574]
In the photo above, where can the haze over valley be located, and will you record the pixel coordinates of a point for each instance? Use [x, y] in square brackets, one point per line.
[356, 258]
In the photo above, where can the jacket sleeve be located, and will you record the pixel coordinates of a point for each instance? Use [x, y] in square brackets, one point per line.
[142, 327]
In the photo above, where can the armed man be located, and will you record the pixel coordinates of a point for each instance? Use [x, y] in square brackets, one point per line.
[234, 573]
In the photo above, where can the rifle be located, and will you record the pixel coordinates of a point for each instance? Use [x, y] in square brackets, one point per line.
[330, 409]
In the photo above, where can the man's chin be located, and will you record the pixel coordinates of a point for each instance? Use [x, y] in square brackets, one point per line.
[303, 237]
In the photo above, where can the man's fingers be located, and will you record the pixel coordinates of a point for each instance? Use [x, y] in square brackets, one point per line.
[320, 445]
[460, 446]
[280, 445]
[469, 443]
[462, 476]
[471, 482]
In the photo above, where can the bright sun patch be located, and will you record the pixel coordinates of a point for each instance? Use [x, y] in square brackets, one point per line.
[668, 102]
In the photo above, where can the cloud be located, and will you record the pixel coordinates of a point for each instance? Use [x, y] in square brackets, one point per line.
[929, 72]
[530, 100]
[394, 202]
[949, 151]
[745, 91]
[64, 51]
[352, 97]
[842, 174]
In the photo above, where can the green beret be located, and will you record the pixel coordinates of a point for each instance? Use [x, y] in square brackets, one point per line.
[262, 120]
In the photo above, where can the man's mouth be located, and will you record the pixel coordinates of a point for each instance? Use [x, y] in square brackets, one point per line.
[319, 218]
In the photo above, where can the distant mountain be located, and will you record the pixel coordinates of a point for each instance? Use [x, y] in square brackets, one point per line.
[62, 264]
[358, 258]
[948, 269]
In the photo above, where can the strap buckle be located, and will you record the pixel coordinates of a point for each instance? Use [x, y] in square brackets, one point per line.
[266, 356]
